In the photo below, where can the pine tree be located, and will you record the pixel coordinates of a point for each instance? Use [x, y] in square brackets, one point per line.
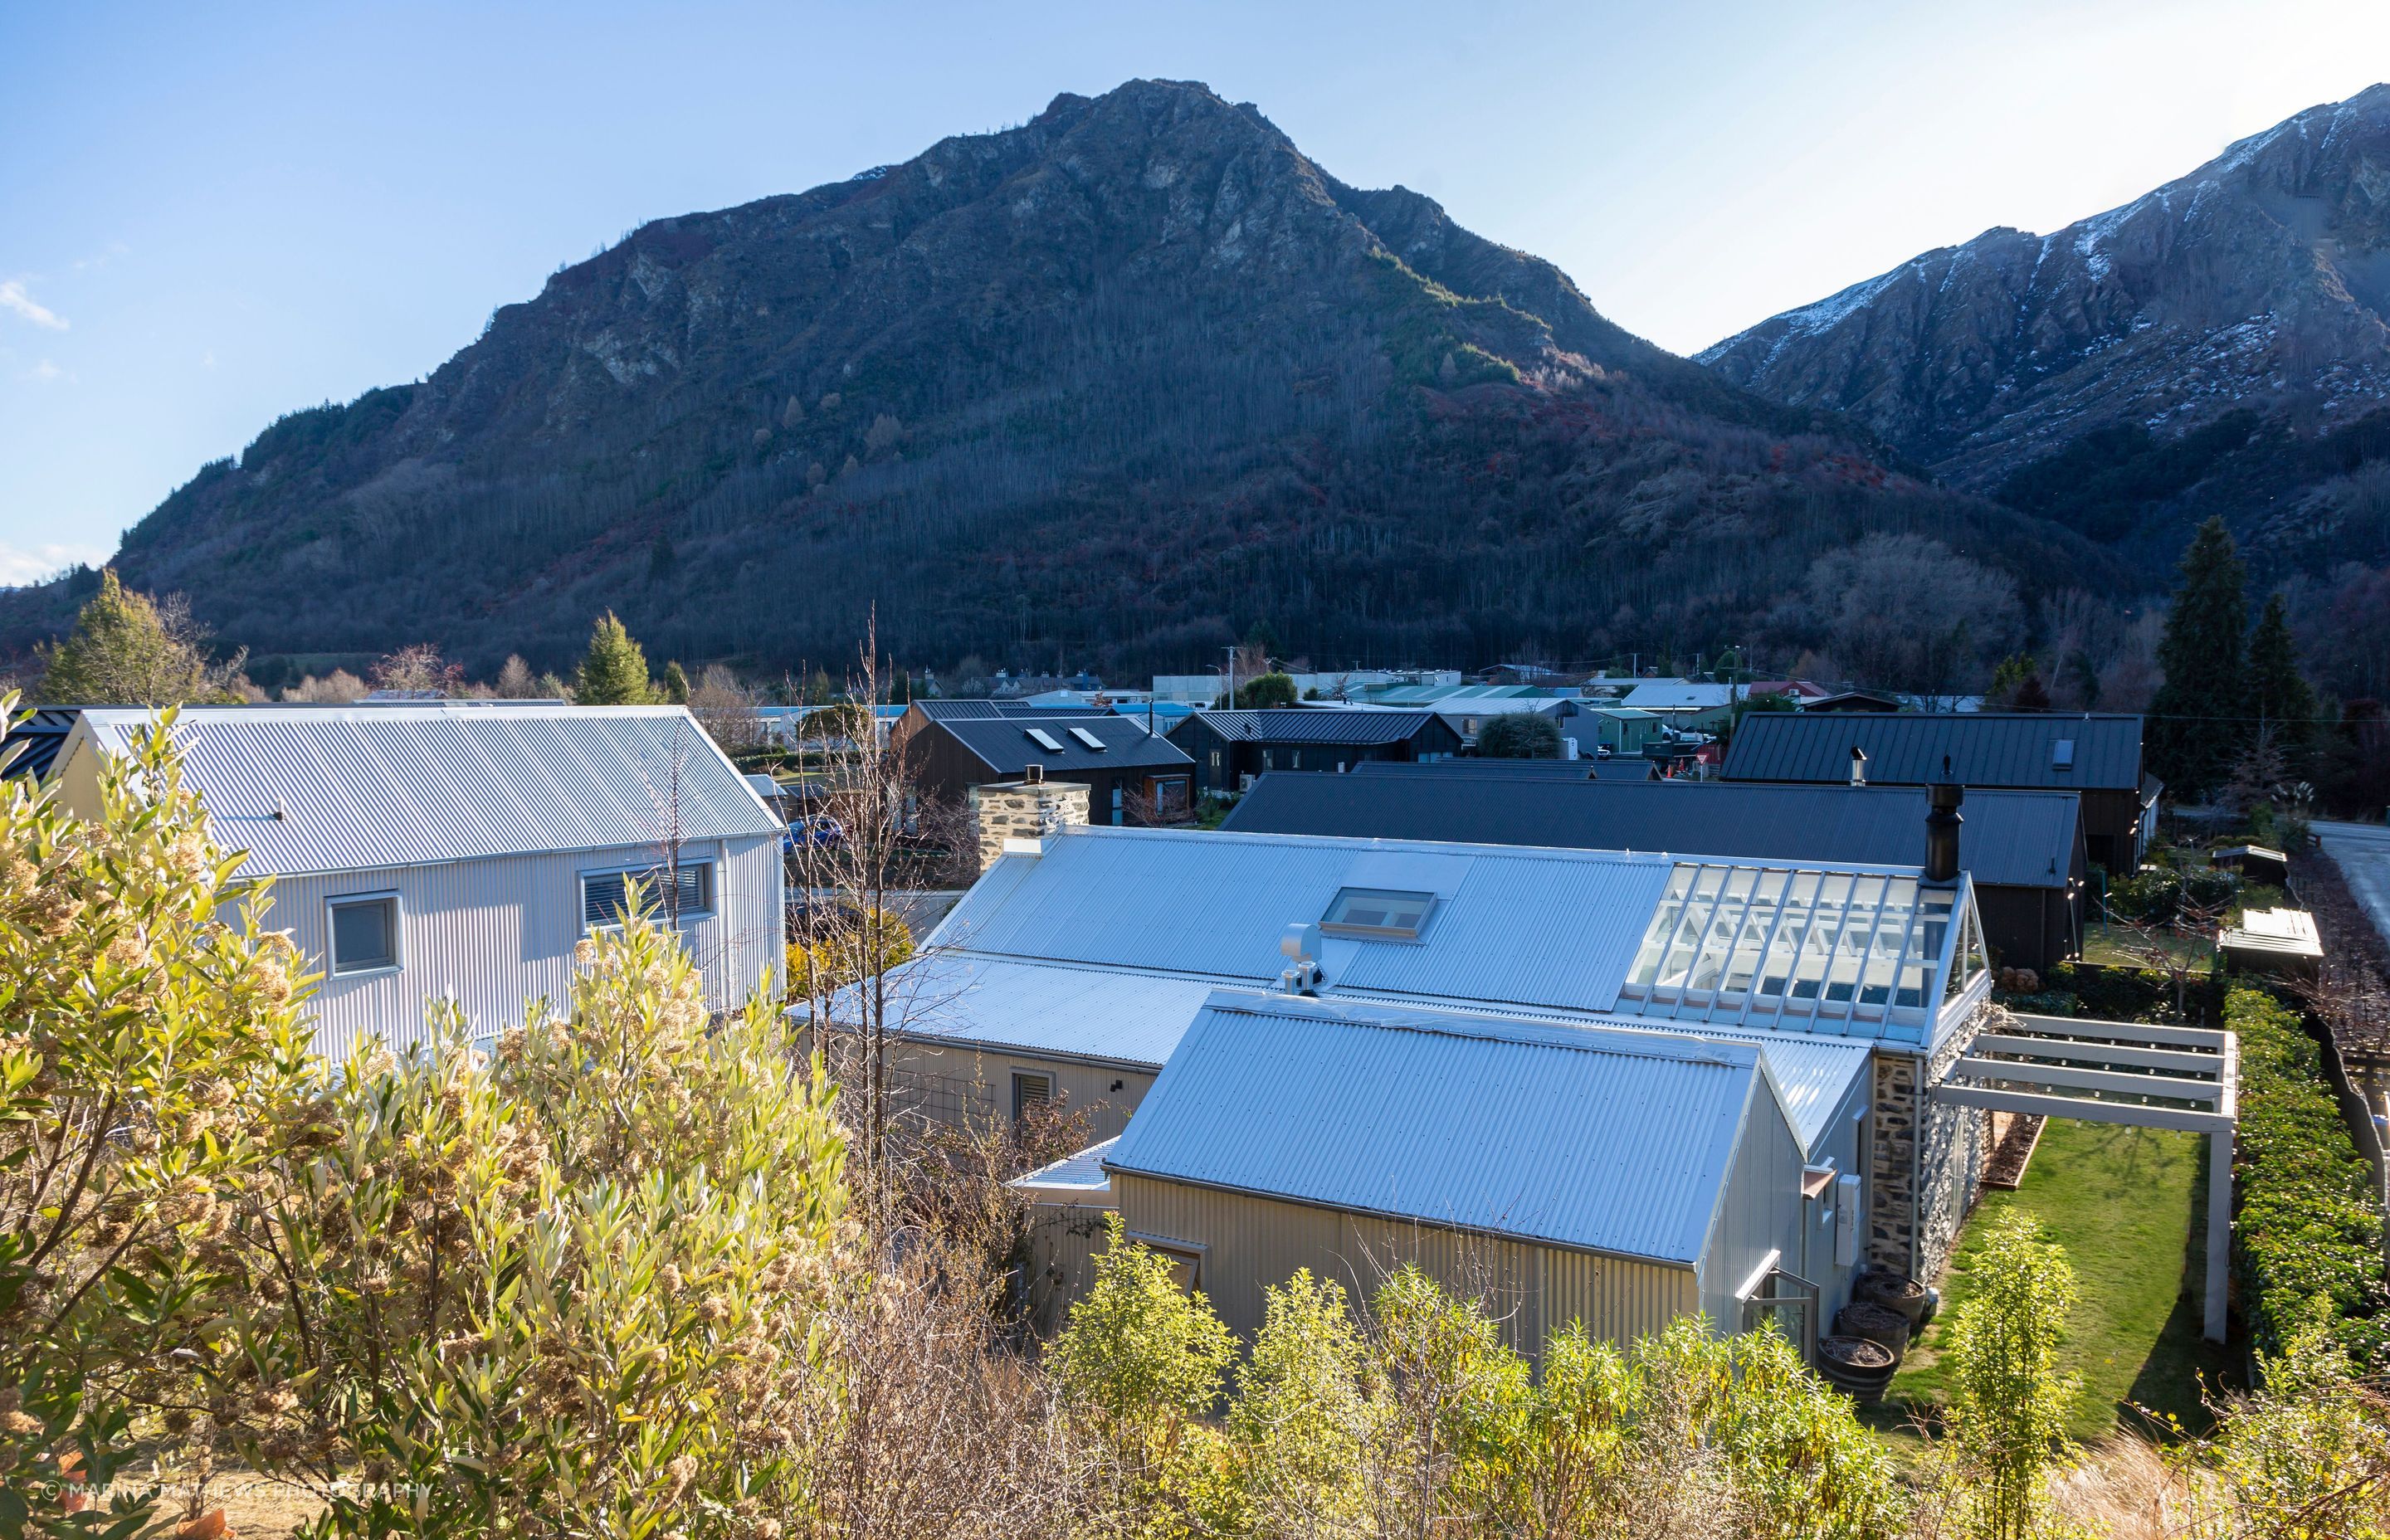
[2280, 697]
[125, 652]
[614, 671]
[2194, 733]
[675, 683]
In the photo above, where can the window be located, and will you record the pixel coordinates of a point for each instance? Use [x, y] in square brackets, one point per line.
[365, 934]
[1043, 739]
[1030, 1091]
[1378, 913]
[2061, 754]
[1089, 739]
[604, 896]
[1185, 1258]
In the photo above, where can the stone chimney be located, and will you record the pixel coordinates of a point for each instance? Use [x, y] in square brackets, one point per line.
[1028, 809]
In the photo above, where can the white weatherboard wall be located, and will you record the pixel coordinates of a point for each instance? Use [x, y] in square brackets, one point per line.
[498, 932]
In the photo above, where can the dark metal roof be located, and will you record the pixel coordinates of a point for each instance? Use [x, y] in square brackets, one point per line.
[2009, 838]
[38, 739]
[2018, 749]
[1296, 725]
[1625, 767]
[1548, 769]
[1005, 746]
[958, 711]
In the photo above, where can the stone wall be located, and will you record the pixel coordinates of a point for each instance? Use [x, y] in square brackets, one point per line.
[1925, 1160]
[1022, 810]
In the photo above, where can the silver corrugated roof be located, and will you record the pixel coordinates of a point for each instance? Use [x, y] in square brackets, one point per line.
[1116, 1016]
[363, 788]
[1080, 1176]
[2016, 748]
[1545, 927]
[1614, 1142]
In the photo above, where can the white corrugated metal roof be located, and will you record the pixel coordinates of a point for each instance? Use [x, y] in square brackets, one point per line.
[1079, 1178]
[1112, 1015]
[1512, 924]
[365, 788]
[1615, 1142]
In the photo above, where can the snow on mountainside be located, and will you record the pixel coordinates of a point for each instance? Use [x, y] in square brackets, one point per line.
[2259, 283]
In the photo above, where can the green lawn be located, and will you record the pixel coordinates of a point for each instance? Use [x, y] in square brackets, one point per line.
[2123, 1202]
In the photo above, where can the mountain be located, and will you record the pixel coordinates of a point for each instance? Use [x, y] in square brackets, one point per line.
[2221, 345]
[1109, 388]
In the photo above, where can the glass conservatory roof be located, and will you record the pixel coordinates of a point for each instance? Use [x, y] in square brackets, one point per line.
[1865, 952]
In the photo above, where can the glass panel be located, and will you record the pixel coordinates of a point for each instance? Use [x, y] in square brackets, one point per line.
[1378, 912]
[362, 936]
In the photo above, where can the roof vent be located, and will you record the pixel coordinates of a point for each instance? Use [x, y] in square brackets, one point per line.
[281, 813]
[1858, 765]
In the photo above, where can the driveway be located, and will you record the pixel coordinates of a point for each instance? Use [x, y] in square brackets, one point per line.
[2362, 852]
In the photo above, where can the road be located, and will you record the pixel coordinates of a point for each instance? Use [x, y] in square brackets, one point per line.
[2362, 852]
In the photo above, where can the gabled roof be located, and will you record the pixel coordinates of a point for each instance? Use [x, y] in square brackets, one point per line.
[37, 740]
[313, 789]
[1628, 768]
[1534, 927]
[1619, 1143]
[960, 711]
[2013, 838]
[1316, 725]
[1666, 695]
[1007, 745]
[2004, 749]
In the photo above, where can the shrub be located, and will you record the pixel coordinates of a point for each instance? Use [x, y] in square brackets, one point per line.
[153, 1065]
[2009, 1405]
[2310, 1239]
[1520, 734]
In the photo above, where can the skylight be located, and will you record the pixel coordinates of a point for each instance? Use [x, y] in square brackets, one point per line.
[2061, 754]
[1090, 740]
[1043, 739]
[1378, 913]
[1747, 942]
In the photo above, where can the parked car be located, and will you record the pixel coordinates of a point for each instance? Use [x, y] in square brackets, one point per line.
[818, 829]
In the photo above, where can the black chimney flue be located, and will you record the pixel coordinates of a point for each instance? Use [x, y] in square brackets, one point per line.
[1942, 823]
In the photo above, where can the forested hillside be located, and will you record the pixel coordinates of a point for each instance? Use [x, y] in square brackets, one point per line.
[1109, 388]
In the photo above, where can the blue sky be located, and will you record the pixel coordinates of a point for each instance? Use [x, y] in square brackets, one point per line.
[211, 215]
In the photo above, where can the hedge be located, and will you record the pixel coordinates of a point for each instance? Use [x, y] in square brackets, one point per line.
[2112, 993]
[2309, 1237]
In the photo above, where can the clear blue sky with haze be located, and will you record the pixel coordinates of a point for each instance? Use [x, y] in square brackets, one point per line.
[213, 214]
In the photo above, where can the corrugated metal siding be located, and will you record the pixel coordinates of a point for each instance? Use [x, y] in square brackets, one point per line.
[1252, 1243]
[494, 934]
[1759, 1213]
[1984, 747]
[2025, 839]
[960, 1087]
[373, 787]
[1613, 1141]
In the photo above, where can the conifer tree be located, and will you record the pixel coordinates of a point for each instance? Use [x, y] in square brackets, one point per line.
[2194, 731]
[614, 671]
[126, 651]
[2280, 697]
[675, 683]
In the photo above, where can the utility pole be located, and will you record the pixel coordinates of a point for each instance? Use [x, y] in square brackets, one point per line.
[1231, 651]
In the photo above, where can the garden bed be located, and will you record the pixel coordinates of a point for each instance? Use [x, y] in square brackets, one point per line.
[2004, 1167]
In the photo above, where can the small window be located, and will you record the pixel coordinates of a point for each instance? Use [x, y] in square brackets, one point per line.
[604, 896]
[1378, 912]
[1030, 1091]
[1089, 739]
[364, 934]
[2061, 754]
[1186, 1259]
[1043, 739]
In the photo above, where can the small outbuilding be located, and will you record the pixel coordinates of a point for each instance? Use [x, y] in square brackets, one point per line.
[461, 850]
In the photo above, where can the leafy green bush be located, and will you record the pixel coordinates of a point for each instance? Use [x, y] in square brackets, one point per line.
[2309, 1238]
[2008, 1418]
[1520, 734]
[2110, 993]
[2157, 895]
